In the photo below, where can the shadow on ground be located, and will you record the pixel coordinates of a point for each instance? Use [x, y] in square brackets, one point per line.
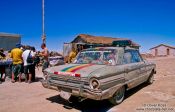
[135, 90]
[92, 105]
[38, 79]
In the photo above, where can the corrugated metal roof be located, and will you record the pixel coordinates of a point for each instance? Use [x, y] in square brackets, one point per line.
[100, 39]
[9, 35]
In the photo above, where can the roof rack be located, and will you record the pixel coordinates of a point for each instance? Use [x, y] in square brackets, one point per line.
[121, 43]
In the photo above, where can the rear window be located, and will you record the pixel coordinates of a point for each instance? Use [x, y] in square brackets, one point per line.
[97, 57]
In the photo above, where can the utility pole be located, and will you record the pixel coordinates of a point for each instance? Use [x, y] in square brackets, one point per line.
[43, 24]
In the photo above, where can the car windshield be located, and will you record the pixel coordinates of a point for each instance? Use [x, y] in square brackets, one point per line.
[101, 57]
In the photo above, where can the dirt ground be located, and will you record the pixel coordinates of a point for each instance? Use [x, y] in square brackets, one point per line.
[158, 97]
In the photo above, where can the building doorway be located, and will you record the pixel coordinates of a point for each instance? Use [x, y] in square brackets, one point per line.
[156, 52]
[168, 51]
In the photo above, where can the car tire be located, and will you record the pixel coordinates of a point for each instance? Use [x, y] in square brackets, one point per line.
[118, 97]
[151, 78]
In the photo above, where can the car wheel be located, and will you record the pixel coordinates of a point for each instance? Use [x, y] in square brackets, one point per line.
[151, 78]
[118, 97]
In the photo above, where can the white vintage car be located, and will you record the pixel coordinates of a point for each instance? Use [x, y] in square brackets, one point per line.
[101, 73]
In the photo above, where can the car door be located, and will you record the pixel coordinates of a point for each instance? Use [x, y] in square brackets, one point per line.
[132, 63]
[141, 65]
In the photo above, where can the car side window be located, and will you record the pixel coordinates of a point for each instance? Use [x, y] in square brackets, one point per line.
[131, 56]
[127, 57]
[135, 56]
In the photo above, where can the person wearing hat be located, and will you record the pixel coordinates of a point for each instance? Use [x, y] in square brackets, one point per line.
[16, 55]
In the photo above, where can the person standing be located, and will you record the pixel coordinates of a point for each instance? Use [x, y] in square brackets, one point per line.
[33, 64]
[16, 55]
[45, 55]
[2, 67]
[72, 55]
[28, 53]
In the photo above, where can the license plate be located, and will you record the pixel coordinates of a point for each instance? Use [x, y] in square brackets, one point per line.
[65, 95]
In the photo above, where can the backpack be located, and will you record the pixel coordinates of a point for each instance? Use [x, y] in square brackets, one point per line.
[29, 58]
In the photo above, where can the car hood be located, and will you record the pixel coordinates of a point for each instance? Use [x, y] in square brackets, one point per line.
[83, 69]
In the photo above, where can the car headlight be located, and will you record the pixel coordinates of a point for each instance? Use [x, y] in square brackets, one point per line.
[94, 83]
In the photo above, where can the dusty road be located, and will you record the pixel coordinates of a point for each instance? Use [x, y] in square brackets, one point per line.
[158, 97]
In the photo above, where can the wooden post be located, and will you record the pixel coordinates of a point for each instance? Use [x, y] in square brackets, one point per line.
[43, 24]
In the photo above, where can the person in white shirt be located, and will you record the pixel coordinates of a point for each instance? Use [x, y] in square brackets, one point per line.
[27, 66]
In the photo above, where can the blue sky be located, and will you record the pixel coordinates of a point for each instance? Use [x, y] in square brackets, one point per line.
[147, 22]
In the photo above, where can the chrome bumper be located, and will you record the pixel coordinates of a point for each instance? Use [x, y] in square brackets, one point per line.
[78, 89]
[46, 85]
